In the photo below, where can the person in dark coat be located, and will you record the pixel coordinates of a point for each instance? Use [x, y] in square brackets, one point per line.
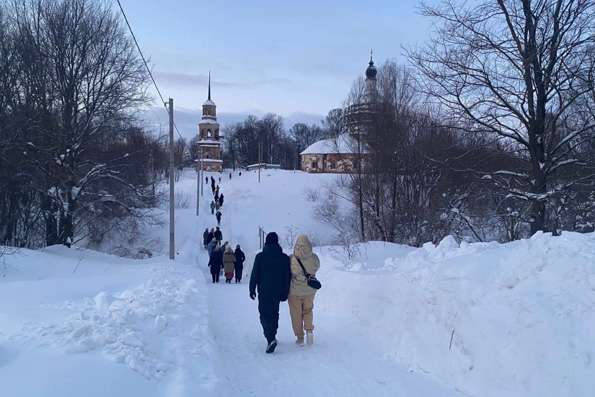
[212, 207]
[240, 173]
[216, 196]
[205, 238]
[218, 216]
[230, 175]
[207, 180]
[211, 247]
[271, 277]
[239, 263]
[221, 200]
[218, 235]
[216, 263]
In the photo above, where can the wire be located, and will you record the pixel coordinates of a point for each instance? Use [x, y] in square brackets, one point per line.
[146, 65]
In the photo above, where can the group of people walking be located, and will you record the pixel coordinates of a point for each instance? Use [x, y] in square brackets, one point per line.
[277, 278]
[222, 258]
[217, 201]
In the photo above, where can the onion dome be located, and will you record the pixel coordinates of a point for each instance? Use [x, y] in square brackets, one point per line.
[371, 70]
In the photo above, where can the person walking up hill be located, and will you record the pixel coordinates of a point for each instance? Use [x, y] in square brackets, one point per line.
[228, 263]
[270, 277]
[205, 238]
[301, 295]
[239, 263]
[217, 234]
[216, 262]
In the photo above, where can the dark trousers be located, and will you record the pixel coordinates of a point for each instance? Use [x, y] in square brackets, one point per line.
[215, 277]
[269, 317]
[239, 270]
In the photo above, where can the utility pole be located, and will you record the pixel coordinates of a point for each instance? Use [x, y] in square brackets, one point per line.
[172, 249]
[198, 182]
[199, 187]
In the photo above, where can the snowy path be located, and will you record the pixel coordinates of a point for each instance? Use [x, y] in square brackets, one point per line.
[343, 361]
[79, 322]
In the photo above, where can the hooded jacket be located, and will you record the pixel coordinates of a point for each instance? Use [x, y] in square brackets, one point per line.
[270, 273]
[228, 260]
[303, 251]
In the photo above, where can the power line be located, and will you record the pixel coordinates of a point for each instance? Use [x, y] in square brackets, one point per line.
[145, 63]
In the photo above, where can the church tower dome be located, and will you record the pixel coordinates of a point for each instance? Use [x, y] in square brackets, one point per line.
[371, 69]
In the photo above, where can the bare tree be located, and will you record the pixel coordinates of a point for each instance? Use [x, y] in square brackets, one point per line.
[521, 72]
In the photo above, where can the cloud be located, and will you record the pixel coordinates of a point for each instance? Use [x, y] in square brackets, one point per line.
[201, 80]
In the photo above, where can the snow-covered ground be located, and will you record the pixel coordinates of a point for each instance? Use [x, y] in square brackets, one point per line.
[481, 319]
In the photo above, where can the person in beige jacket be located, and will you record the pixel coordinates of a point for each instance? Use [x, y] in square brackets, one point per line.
[301, 296]
[229, 259]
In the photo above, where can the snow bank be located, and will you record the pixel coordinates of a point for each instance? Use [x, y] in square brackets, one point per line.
[75, 308]
[127, 326]
[490, 319]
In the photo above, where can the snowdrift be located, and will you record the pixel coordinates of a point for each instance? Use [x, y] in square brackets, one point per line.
[490, 319]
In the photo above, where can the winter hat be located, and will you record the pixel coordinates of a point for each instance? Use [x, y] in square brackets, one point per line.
[272, 238]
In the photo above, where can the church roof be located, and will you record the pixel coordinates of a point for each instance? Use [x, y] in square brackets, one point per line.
[343, 144]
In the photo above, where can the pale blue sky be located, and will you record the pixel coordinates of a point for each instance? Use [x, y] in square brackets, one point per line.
[270, 56]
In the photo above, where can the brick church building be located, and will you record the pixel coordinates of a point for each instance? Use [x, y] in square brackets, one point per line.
[341, 154]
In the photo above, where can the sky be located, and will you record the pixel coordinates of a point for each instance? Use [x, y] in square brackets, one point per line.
[285, 56]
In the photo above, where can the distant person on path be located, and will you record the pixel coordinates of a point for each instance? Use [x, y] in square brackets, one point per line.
[301, 296]
[205, 238]
[230, 175]
[217, 234]
[216, 262]
[218, 216]
[207, 180]
[240, 173]
[228, 263]
[211, 246]
[239, 263]
[270, 277]
[221, 200]
[219, 179]
[212, 207]
[217, 195]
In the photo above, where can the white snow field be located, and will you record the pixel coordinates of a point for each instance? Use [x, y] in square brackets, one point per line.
[481, 319]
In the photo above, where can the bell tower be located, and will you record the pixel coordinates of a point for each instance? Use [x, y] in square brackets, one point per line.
[208, 136]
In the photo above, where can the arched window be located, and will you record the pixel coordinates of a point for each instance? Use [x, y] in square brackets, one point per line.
[209, 133]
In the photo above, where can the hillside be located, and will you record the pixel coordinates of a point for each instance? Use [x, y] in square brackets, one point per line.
[481, 319]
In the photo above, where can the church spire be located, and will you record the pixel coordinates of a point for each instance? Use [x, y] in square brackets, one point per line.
[209, 85]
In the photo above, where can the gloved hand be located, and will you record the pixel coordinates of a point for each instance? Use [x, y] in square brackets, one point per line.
[252, 295]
